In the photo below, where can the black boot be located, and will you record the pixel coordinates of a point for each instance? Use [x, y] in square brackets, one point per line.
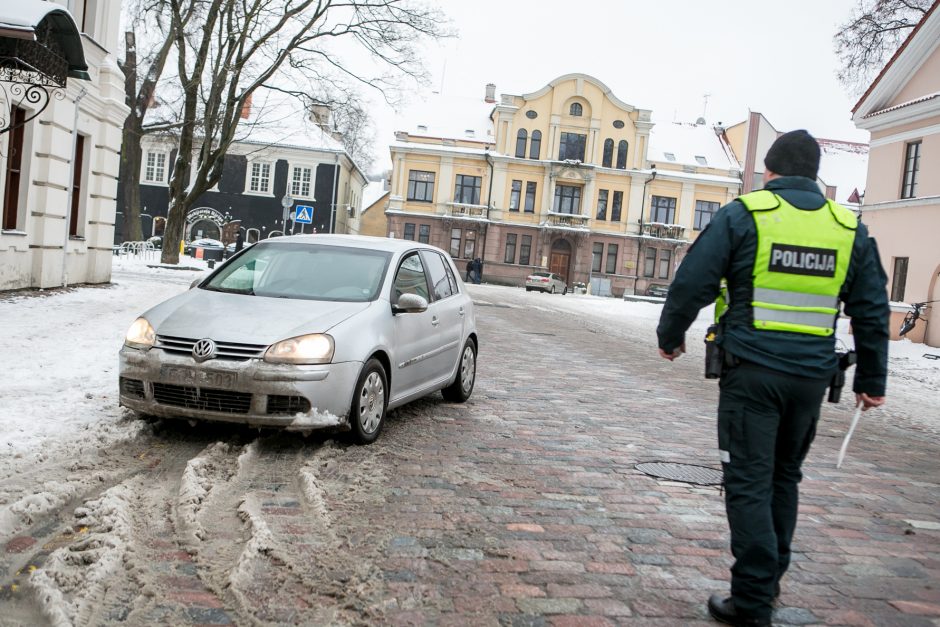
[722, 610]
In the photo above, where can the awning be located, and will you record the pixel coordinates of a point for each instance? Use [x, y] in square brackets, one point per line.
[41, 36]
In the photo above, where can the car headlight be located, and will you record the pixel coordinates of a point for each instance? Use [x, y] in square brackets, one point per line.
[141, 335]
[316, 348]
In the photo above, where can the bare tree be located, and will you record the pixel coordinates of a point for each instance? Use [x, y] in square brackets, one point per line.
[240, 46]
[149, 40]
[871, 35]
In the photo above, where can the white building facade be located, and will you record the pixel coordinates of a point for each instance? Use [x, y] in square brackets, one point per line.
[58, 169]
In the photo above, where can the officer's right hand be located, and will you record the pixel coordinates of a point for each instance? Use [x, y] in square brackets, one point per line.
[674, 354]
[867, 402]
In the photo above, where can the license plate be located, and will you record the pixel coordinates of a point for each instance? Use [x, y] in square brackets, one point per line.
[197, 378]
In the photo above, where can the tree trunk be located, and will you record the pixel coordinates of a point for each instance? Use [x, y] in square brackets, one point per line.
[129, 178]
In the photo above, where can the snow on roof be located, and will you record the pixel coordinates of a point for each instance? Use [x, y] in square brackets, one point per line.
[454, 117]
[844, 165]
[687, 143]
[920, 99]
[372, 192]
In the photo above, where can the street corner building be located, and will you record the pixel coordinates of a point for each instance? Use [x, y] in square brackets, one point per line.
[282, 160]
[901, 109]
[61, 112]
[568, 179]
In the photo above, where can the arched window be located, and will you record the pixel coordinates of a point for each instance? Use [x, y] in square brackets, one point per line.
[608, 161]
[521, 136]
[536, 146]
[622, 155]
[576, 109]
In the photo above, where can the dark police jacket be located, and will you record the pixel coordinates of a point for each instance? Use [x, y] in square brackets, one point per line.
[726, 248]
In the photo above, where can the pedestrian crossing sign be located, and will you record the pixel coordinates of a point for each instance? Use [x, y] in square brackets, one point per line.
[304, 214]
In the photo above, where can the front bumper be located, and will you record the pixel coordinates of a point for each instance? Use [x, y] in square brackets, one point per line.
[250, 392]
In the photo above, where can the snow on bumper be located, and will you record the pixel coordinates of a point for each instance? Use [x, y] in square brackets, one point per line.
[251, 392]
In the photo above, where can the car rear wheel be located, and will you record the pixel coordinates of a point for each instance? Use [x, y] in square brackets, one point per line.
[552, 291]
[367, 414]
[462, 387]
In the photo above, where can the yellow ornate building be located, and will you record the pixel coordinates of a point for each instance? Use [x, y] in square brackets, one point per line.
[568, 178]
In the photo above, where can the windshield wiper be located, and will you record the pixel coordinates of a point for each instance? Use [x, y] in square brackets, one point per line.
[247, 292]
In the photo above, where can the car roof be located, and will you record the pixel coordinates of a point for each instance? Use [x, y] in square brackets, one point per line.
[386, 244]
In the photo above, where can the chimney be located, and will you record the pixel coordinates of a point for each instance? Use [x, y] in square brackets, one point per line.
[320, 115]
[490, 93]
[246, 108]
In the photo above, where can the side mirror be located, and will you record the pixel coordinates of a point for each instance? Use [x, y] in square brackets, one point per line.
[410, 303]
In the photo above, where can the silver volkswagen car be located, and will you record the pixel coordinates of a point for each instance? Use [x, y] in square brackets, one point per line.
[306, 332]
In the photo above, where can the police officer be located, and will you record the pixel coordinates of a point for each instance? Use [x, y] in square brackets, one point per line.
[789, 257]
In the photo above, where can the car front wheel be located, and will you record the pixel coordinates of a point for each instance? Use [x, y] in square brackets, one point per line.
[369, 403]
[462, 387]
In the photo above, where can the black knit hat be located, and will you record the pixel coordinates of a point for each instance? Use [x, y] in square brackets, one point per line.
[794, 154]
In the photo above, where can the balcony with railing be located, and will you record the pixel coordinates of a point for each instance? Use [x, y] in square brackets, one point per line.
[467, 211]
[567, 221]
[664, 231]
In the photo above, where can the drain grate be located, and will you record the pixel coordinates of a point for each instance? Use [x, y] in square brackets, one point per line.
[686, 473]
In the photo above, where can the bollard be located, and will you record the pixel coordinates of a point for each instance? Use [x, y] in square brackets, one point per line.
[182, 246]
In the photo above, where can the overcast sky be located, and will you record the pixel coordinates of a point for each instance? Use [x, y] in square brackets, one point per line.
[773, 57]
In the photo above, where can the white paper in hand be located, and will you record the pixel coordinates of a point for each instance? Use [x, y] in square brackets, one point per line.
[848, 436]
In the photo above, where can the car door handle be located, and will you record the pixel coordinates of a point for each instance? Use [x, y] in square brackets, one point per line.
[435, 321]
[460, 311]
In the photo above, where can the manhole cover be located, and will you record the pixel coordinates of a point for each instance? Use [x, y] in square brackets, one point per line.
[687, 473]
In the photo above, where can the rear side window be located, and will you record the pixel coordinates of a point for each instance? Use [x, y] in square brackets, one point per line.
[441, 283]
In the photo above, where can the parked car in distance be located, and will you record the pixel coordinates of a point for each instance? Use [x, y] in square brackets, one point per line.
[657, 290]
[307, 332]
[546, 282]
[205, 242]
[157, 241]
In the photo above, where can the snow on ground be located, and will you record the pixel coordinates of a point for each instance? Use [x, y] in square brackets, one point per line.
[60, 352]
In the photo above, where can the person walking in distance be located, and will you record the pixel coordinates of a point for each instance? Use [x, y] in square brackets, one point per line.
[788, 256]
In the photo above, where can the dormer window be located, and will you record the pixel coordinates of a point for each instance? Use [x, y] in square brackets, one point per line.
[701, 160]
[576, 109]
[669, 156]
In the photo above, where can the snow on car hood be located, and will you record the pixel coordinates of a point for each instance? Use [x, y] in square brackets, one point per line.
[244, 319]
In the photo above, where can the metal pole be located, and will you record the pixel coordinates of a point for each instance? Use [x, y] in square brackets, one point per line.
[335, 194]
[71, 184]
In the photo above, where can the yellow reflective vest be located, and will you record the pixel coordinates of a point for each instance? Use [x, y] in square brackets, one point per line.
[801, 262]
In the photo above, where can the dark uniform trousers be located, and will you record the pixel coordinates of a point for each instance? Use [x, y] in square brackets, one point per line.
[766, 423]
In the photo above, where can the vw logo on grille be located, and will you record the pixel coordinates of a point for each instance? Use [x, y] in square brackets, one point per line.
[203, 350]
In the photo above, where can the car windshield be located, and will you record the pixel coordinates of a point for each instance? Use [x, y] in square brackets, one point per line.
[304, 271]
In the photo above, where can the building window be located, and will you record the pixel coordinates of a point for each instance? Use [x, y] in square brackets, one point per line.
[529, 197]
[663, 210]
[455, 243]
[704, 210]
[612, 258]
[300, 182]
[77, 186]
[525, 249]
[665, 259]
[567, 199]
[608, 160]
[515, 196]
[622, 155]
[535, 146]
[616, 207]
[899, 279]
[467, 190]
[649, 263]
[911, 166]
[260, 179]
[510, 248]
[521, 138]
[424, 233]
[155, 168]
[602, 204]
[469, 244]
[597, 256]
[572, 147]
[576, 109]
[420, 186]
[11, 195]
[410, 231]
